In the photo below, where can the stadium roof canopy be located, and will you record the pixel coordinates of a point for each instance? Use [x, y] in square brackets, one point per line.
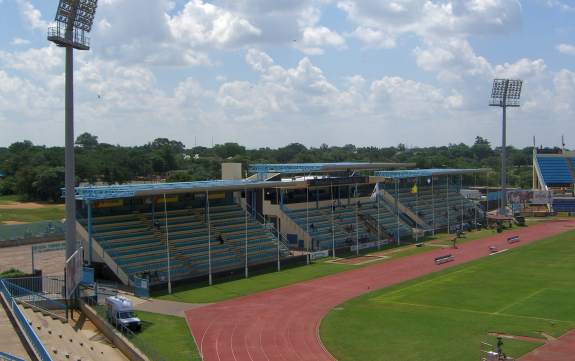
[298, 168]
[150, 189]
[413, 173]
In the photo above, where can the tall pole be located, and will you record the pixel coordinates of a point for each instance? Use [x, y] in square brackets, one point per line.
[447, 203]
[307, 220]
[209, 238]
[332, 224]
[503, 210]
[246, 233]
[167, 245]
[433, 204]
[461, 205]
[279, 240]
[416, 208]
[397, 209]
[356, 222]
[69, 151]
[378, 222]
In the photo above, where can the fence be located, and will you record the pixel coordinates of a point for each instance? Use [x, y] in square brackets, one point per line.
[41, 293]
[33, 339]
[20, 232]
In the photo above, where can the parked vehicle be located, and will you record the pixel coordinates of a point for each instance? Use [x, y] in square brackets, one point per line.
[120, 312]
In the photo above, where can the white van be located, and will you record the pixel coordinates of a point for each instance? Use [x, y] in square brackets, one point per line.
[120, 311]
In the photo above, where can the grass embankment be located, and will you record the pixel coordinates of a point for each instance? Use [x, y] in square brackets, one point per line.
[202, 293]
[13, 209]
[168, 336]
[445, 316]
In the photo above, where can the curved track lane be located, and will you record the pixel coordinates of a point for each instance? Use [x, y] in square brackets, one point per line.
[283, 324]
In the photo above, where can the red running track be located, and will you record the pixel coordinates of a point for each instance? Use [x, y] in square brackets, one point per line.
[282, 324]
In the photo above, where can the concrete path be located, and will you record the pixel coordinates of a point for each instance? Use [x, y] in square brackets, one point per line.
[282, 324]
[171, 308]
[9, 340]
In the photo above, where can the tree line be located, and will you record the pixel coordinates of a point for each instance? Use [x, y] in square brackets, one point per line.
[37, 172]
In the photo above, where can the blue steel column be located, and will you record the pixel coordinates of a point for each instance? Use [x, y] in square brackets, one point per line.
[89, 204]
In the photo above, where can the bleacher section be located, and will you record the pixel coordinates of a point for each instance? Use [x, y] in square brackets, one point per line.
[319, 221]
[438, 209]
[564, 205]
[137, 242]
[556, 170]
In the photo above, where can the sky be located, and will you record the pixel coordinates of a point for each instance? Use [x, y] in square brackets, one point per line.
[272, 72]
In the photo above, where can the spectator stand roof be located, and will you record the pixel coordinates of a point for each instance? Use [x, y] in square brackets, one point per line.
[94, 193]
[414, 173]
[302, 168]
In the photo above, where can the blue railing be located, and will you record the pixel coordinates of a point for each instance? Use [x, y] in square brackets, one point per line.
[32, 299]
[7, 357]
[31, 336]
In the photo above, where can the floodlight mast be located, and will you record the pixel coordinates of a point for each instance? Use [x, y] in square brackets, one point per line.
[74, 18]
[505, 93]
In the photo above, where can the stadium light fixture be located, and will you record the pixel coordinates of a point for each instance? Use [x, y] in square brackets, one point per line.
[505, 93]
[73, 21]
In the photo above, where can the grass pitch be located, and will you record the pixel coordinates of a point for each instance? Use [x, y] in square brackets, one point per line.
[445, 316]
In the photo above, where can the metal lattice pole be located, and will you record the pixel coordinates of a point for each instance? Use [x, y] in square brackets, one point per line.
[356, 222]
[447, 205]
[378, 219]
[332, 223]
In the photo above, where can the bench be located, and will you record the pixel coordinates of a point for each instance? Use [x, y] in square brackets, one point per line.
[443, 259]
[513, 239]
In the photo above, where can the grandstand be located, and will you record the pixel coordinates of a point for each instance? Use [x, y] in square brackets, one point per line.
[192, 229]
[555, 171]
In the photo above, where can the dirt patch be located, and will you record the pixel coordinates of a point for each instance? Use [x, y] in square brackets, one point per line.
[359, 260]
[28, 205]
[516, 337]
[12, 222]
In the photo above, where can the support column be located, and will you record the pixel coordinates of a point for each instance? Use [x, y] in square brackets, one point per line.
[89, 205]
[168, 245]
[70, 177]
[246, 234]
[209, 238]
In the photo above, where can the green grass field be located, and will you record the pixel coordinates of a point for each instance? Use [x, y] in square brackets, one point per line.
[445, 316]
[20, 213]
[168, 336]
[202, 293]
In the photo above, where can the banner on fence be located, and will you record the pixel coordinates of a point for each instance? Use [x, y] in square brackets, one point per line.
[367, 245]
[319, 254]
[529, 196]
[74, 271]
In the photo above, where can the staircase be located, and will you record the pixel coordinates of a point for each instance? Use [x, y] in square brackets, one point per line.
[570, 167]
[72, 341]
[370, 224]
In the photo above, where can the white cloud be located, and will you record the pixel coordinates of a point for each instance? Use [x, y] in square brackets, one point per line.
[201, 23]
[566, 49]
[380, 23]
[314, 39]
[19, 41]
[31, 15]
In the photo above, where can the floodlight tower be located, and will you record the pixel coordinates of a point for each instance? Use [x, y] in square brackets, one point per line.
[505, 93]
[74, 19]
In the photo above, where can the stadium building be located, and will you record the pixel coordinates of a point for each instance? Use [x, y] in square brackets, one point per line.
[554, 170]
[282, 214]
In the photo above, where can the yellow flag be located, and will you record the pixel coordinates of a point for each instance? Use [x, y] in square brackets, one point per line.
[414, 188]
